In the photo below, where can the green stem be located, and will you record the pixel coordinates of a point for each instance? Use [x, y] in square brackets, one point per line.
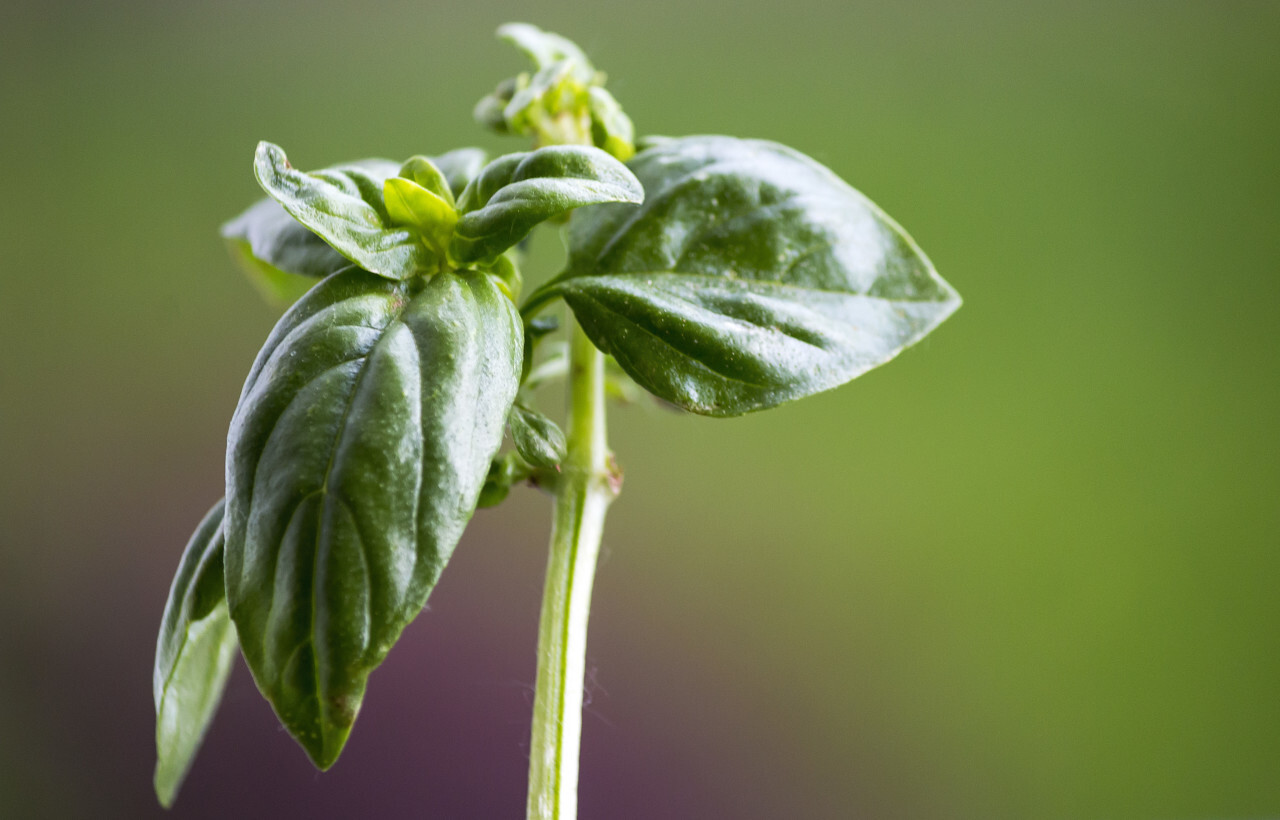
[582, 496]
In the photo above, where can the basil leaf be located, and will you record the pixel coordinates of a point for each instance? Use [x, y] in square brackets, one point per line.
[537, 438]
[277, 251]
[344, 205]
[611, 128]
[516, 192]
[277, 286]
[356, 455]
[424, 173]
[426, 212]
[550, 92]
[504, 471]
[194, 652]
[284, 258]
[459, 167]
[545, 48]
[490, 111]
[750, 276]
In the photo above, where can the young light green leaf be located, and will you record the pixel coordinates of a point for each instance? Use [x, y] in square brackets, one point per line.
[424, 173]
[345, 206]
[356, 455]
[611, 128]
[751, 276]
[426, 212]
[562, 102]
[537, 438]
[545, 48]
[194, 652]
[516, 192]
[551, 106]
[284, 259]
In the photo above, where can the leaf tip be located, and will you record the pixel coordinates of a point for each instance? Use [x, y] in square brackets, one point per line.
[512, 31]
[325, 747]
[166, 790]
[269, 153]
[268, 161]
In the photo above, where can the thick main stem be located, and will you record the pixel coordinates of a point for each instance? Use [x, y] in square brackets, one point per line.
[582, 496]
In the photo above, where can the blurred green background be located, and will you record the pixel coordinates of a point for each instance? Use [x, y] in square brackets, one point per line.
[1029, 569]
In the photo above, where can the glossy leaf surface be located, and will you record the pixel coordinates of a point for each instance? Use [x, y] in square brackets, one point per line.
[194, 652]
[284, 258]
[516, 192]
[356, 455]
[270, 243]
[345, 207]
[750, 276]
[277, 287]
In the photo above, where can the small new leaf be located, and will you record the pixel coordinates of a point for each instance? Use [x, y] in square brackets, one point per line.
[562, 102]
[424, 173]
[194, 651]
[355, 458]
[751, 276]
[345, 206]
[426, 212]
[537, 438]
[516, 192]
[545, 48]
[611, 128]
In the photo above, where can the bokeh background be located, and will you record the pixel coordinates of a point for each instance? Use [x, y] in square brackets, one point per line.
[1028, 570]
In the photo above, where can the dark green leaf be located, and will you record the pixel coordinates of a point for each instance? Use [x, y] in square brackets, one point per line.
[193, 655]
[345, 206]
[459, 167]
[504, 471]
[516, 192]
[542, 326]
[278, 287]
[537, 438]
[273, 238]
[751, 276]
[355, 458]
[282, 257]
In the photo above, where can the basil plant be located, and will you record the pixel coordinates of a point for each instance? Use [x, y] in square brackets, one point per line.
[721, 275]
